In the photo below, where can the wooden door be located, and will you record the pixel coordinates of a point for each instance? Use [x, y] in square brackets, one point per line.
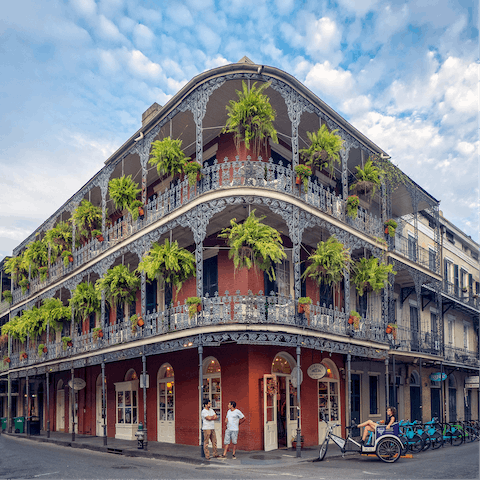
[270, 412]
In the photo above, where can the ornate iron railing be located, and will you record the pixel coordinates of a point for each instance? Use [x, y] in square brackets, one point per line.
[413, 340]
[410, 249]
[461, 355]
[464, 295]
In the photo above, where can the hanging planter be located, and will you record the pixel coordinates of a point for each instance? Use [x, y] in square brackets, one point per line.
[303, 173]
[391, 330]
[368, 179]
[354, 319]
[390, 227]
[98, 235]
[6, 359]
[97, 333]
[23, 355]
[42, 348]
[353, 202]
[192, 171]
[67, 342]
[194, 306]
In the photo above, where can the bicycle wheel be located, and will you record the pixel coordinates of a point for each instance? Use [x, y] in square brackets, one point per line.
[404, 443]
[470, 434]
[426, 441]
[436, 440]
[323, 450]
[415, 443]
[456, 439]
[388, 450]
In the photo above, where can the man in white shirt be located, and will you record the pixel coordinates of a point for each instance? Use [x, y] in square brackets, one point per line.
[233, 419]
[208, 427]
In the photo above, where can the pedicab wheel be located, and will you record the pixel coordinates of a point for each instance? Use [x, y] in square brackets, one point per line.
[323, 450]
[437, 440]
[416, 444]
[404, 444]
[388, 450]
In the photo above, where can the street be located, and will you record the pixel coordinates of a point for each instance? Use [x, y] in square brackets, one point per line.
[21, 458]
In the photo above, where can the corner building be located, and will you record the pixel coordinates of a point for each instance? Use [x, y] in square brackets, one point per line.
[248, 338]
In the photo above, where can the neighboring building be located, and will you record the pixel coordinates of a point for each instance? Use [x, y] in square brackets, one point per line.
[248, 342]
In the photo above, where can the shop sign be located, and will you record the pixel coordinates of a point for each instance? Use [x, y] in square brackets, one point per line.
[317, 371]
[471, 382]
[438, 376]
[78, 383]
[294, 376]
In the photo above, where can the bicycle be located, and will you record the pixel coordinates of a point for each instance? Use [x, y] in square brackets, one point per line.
[414, 441]
[450, 433]
[385, 443]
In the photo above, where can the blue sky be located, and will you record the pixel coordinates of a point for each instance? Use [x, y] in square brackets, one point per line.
[78, 74]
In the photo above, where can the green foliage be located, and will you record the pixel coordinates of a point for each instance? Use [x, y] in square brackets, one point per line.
[303, 172]
[353, 203]
[124, 191]
[304, 300]
[167, 155]
[390, 172]
[328, 262]
[251, 117]
[193, 303]
[391, 225]
[368, 178]
[87, 217]
[119, 285]
[7, 296]
[66, 340]
[35, 256]
[96, 332]
[58, 239]
[16, 268]
[170, 262]
[24, 284]
[369, 275]
[192, 170]
[54, 313]
[254, 243]
[324, 149]
[67, 256]
[41, 346]
[86, 299]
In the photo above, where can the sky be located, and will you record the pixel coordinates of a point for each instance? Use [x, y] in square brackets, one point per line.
[76, 76]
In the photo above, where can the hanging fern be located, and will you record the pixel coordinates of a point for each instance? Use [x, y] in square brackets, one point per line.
[324, 149]
[170, 262]
[124, 191]
[36, 256]
[251, 117]
[86, 299]
[167, 155]
[254, 243]
[369, 178]
[15, 266]
[58, 239]
[119, 285]
[87, 218]
[368, 275]
[328, 262]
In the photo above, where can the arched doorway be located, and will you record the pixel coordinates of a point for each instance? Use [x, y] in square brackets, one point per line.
[126, 393]
[279, 403]
[415, 401]
[329, 401]
[166, 404]
[60, 408]
[98, 403]
[212, 390]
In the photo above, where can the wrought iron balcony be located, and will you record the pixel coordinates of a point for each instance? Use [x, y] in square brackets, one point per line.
[411, 340]
[464, 295]
[410, 249]
[461, 355]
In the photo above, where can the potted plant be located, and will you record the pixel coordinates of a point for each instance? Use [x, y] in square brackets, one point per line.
[391, 330]
[304, 306]
[390, 227]
[97, 333]
[24, 284]
[192, 170]
[250, 118]
[303, 172]
[194, 306]
[67, 258]
[3, 340]
[23, 355]
[354, 319]
[98, 235]
[6, 359]
[170, 262]
[252, 243]
[368, 275]
[353, 202]
[7, 296]
[464, 289]
[368, 178]
[324, 149]
[124, 191]
[67, 342]
[136, 321]
[167, 155]
[87, 218]
[294, 442]
[119, 285]
[42, 348]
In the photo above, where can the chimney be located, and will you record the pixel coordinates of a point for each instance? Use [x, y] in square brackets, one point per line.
[148, 114]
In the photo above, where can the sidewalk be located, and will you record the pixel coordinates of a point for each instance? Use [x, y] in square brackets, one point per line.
[170, 451]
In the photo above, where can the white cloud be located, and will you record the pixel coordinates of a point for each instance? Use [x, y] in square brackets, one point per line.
[359, 7]
[326, 80]
[217, 61]
[180, 15]
[143, 37]
[107, 30]
[208, 38]
[86, 8]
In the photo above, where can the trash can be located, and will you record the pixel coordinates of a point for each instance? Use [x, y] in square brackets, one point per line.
[4, 424]
[33, 426]
[19, 424]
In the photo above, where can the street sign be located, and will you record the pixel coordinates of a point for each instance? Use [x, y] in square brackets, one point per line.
[294, 375]
[438, 376]
[78, 383]
[317, 371]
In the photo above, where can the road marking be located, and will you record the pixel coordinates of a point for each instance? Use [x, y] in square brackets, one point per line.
[369, 473]
[42, 474]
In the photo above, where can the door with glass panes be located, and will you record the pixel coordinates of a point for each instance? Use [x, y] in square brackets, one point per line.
[212, 390]
[328, 389]
[166, 404]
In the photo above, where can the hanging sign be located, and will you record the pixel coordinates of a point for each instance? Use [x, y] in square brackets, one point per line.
[78, 383]
[438, 376]
[471, 382]
[294, 376]
[317, 371]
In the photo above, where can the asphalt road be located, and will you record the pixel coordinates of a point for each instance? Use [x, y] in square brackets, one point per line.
[20, 458]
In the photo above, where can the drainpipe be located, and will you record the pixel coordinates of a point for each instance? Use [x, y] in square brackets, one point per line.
[104, 406]
[72, 403]
[48, 404]
[144, 375]
[299, 428]
[200, 395]
[349, 390]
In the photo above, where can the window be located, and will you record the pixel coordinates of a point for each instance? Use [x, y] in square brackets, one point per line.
[412, 248]
[210, 276]
[450, 331]
[281, 284]
[151, 296]
[447, 270]
[127, 399]
[373, 380]
[432, 259]
[466, 331]
[455, 279]
[449, 236]
[362, 305]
